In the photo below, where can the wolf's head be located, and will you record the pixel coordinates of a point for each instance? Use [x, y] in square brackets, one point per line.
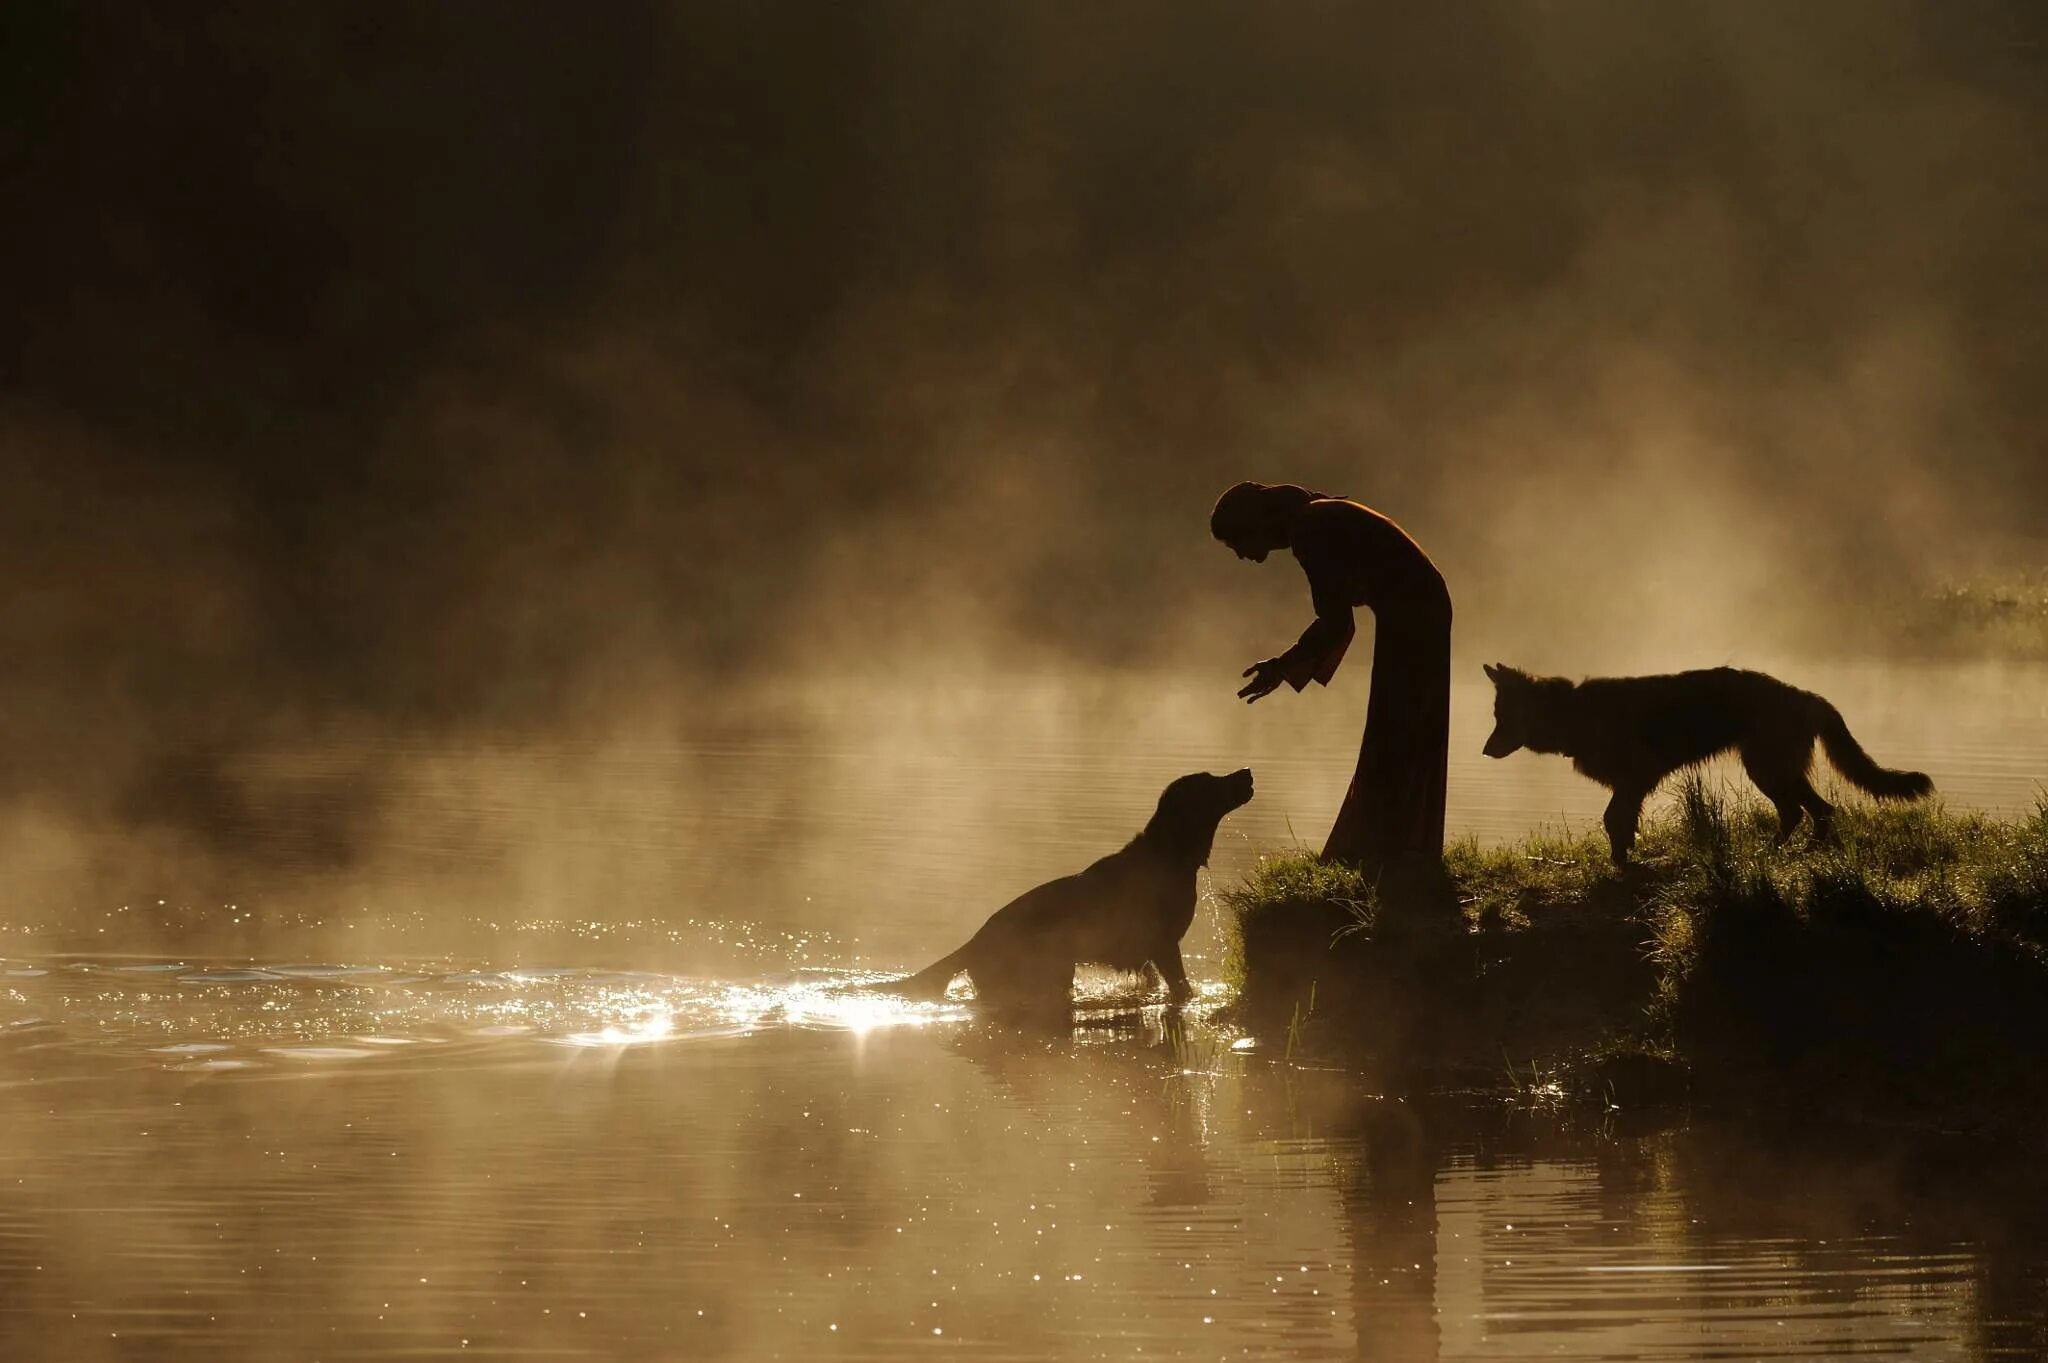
[1192, 806]
[1522, 716]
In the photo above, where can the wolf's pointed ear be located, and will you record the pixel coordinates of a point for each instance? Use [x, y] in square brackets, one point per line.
[1493, 671]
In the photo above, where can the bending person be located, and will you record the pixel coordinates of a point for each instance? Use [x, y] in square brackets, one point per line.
[1393, 814]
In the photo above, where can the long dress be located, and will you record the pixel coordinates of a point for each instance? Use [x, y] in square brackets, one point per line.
[1393, 814]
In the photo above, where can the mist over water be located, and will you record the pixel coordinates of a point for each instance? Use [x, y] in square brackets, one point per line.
[865, 824]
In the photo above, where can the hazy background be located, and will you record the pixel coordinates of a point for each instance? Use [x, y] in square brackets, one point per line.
[388, 379]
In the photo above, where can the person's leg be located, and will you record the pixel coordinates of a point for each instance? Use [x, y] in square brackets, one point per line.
[1394, 808]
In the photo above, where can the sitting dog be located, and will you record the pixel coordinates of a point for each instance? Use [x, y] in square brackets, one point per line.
[1629, 733]
[1127, 911]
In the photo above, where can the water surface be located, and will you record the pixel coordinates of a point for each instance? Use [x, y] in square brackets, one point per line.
[560, 1061]
[300, 1161]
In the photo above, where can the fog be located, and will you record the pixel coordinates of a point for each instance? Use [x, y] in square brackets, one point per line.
[489, 377]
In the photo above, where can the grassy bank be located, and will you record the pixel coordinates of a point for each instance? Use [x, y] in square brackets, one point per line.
[1902, 971]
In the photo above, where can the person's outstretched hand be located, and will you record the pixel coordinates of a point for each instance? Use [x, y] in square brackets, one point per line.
[1265, 677]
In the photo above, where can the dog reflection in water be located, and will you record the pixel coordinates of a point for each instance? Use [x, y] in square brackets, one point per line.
[1128, 911]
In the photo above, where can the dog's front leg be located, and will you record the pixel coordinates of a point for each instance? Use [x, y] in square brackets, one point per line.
[1171, 970]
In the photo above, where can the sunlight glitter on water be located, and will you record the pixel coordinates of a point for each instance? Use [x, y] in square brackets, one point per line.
[831, 1002]
[694, 1010]
[655, 1027]
[179, 1012]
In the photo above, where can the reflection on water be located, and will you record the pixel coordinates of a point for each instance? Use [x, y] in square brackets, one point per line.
[333, 1161]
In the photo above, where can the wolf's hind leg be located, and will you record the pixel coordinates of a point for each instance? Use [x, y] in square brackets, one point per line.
[1781, 791]
[1624, 811]
[1785, 785]
[1823, 813]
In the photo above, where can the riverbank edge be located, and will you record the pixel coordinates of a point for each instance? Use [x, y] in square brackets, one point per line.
[1897, 974]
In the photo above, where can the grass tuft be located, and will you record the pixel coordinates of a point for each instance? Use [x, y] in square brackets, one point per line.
[1299, 879]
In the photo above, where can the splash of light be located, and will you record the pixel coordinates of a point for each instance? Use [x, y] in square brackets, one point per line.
[650, 1028]
[826, 1004]
[861, 1013]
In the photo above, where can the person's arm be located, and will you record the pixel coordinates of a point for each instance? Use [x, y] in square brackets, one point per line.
[1320, 648]
[1316, 653]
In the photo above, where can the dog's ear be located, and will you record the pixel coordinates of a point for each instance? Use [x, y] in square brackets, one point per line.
[1493, 671]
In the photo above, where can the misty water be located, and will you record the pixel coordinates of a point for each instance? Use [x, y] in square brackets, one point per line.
[547, 1051]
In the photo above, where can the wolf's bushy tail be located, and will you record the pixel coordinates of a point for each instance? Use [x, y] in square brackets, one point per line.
[1857, 767]
[929, 983]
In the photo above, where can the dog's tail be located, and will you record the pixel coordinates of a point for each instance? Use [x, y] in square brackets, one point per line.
[927, 984]
[1857, 767]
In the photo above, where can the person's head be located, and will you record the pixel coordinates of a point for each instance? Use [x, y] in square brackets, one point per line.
[1252, 518]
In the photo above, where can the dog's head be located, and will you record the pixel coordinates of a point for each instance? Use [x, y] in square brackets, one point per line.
[1192, 806]
[1514, 705]
[1201, 795]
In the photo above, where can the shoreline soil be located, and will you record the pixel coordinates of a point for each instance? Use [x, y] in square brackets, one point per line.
[1897, 975]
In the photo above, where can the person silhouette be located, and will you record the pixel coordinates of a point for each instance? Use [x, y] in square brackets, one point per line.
[1393, 813]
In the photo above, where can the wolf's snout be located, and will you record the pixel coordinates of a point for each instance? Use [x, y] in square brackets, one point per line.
[1499, 744]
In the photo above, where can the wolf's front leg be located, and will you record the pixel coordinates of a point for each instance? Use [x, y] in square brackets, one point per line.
[1624, 811]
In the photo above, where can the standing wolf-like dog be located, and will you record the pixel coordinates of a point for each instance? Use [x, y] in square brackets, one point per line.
[1629, 733]
[1127, 911]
